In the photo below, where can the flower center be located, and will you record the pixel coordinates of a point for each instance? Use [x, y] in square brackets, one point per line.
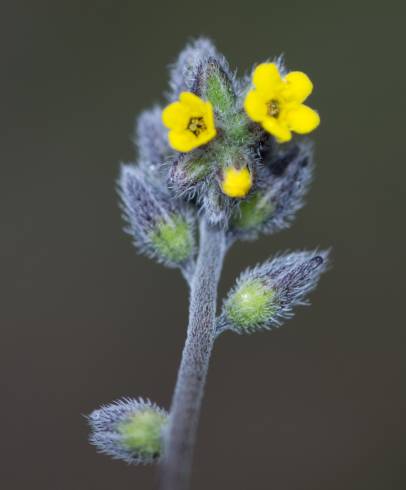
[273, 108]
[196, 125]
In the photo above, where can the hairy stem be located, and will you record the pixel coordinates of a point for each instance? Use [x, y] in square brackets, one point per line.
[184, 415]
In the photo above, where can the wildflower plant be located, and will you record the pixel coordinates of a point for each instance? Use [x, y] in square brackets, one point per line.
[223, 160]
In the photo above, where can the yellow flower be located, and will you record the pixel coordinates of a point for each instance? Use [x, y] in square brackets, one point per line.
[277, 103]
[190, 121]
[236, 182]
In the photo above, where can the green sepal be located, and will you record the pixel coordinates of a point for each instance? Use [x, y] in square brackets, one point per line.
[250, 304]
[218, 89]
[252, 212]
[173, 239]
[142, 433]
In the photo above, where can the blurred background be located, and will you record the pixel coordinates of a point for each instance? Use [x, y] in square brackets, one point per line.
[319, 403]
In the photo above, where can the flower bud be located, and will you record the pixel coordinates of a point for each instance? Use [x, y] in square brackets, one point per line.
[265, 295]
[151, 142]
[236, 182]
[215, 84]
[252, 213]
[128, 429]
[280, 192]
[188, 172]
[250, 304]
[189, 72]
[162, 228]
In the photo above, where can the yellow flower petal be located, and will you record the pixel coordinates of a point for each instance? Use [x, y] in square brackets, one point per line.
[266, 78]
[176, 116]
[236, 182]
[191, 101]
[255, 106]
[302, 119]
[205, 137]
[277, 129]
[183, 141]
[298, 86]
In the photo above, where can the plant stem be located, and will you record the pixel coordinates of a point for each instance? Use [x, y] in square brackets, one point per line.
[184, 415]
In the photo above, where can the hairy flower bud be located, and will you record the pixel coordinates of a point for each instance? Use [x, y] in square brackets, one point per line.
[151, 141]
[215, 84]
[128, 429]
[161, 227]
[187, 72]
[265, 295]
[280, 192]
[188, 173]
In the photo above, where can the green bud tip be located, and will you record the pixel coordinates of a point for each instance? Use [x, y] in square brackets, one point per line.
[142, 433]
[252, 212]
[250, 304]
[198, 169]
[218, 92]
[173, 239]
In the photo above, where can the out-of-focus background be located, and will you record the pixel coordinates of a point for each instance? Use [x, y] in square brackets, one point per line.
[319, 403]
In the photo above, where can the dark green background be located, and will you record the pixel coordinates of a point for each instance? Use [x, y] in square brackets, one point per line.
[85, 320]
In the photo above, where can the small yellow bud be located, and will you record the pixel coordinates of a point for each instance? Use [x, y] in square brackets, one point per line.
[236, 182]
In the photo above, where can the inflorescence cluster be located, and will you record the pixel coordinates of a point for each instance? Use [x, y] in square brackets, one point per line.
[226, 152]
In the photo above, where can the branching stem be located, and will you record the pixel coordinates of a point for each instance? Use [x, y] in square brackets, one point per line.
[184, 415]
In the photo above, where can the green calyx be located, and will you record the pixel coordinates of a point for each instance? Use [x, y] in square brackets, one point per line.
[197, 169]
[237, 129]
[250, 305]
[252, 212]
[173, 239]
[142, 433]
[218, 92]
